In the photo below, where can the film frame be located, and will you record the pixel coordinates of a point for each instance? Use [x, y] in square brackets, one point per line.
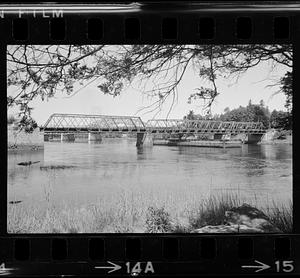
[169, 254]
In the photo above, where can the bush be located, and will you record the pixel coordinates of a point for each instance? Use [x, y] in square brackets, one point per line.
[212, 211]
[158, 220]
[281, 217]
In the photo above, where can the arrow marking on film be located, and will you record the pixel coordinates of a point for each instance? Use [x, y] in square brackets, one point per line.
[113, 267]
[259, 267]
[6, 271]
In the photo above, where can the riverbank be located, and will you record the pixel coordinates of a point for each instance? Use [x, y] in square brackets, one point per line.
[275, 137]
[211, 214]
[19, 140]
[288, 140]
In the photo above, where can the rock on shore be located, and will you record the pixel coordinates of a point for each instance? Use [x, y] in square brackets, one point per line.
[243, 219]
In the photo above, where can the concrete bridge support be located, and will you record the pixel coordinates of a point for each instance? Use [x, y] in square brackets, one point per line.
[218, 136]
[140, 137]
[46, 137]
[81, 137]
[54, 137]
[94, 137]
[67, 137]
[253, 138]
[148, 140]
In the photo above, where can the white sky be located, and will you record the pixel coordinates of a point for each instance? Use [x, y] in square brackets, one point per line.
[90, 100]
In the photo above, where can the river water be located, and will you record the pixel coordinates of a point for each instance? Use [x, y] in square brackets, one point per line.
[121, 177]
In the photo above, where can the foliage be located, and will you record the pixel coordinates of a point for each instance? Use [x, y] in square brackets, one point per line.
[27, 124]
[192, 116]
[11, 119]
[42, 71]
[287, 88]
[158, 220]
[281, 217]
[251, 113]
[212, 211]
[281, 120]
[97, 218]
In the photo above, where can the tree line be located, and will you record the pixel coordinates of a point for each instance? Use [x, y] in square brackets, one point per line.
[251, 113]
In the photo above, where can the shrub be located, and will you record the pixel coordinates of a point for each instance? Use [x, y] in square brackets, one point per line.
[281, 217]
[212, 211]
[158, 220]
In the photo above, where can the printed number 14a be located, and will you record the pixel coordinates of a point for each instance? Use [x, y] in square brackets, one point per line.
[138, 269]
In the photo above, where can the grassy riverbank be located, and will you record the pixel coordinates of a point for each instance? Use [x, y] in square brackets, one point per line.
[134, 217]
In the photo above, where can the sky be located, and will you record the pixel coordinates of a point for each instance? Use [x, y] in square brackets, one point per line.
[251, 85]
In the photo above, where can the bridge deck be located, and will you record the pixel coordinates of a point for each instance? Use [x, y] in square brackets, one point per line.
[103, 123]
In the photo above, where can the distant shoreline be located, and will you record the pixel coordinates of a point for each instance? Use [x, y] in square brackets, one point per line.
[287, 140]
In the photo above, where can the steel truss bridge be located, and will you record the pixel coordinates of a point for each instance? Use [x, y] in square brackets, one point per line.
[203, 126]
[66, 123]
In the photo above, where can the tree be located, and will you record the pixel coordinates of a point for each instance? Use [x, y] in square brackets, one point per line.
[190, 115]
[250, 113]
[259, 114]
[43, 71]
[261, 103]
[281, 120]
[226, 110]
[287, 88]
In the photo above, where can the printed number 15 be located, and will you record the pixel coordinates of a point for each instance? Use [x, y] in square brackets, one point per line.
[285, 266]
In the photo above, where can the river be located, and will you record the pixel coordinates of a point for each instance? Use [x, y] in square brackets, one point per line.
[125, 180]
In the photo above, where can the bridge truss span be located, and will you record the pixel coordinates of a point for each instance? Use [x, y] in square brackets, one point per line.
[93, 123]
[64, 123]
[203, 126]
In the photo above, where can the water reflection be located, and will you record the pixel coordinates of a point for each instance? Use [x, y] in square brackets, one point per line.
[141, 153]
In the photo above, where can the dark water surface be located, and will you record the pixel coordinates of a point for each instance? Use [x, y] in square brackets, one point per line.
[80, 174]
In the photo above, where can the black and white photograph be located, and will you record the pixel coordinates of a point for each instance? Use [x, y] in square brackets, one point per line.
[149, 139]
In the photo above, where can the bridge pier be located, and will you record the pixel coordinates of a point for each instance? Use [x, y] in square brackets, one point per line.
[253, 138]
[94, 137]
[54, 137]
[81, 137]
[67, 137]
[140, 137]
[148, 140]
[46, 137]
[218, 136]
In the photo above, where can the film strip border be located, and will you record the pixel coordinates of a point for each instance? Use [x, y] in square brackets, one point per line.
[57, 28]
[163, 255]
[168, 255]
